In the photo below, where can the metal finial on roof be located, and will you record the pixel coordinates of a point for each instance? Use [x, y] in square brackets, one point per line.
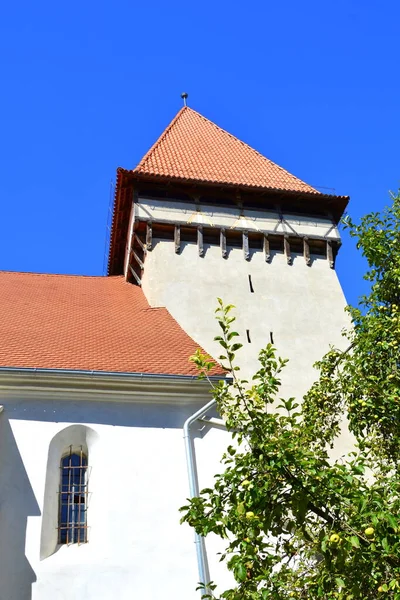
[184, 96]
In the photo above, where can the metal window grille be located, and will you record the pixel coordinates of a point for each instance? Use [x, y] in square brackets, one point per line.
[73, 499]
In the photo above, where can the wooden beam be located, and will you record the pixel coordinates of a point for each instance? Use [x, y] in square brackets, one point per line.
[245, 243]
[177, 238]
[306, 251]
[139, 241]
[286, 249]
[139, 262]
[136, 277]
[149, 235]
[222, 243]
[200, 244]
[271, 232]
[267, 254]
[329, 254]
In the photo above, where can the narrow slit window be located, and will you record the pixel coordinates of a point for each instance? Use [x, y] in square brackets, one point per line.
[248, 335]
[271, 337]
[72, 525]
[251, 285]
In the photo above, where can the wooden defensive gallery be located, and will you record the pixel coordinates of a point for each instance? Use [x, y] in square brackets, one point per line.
[95, 383]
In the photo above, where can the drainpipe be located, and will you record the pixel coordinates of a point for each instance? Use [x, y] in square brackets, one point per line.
[202, 562]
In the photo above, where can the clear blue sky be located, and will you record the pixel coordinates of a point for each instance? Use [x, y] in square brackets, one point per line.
[89, 86]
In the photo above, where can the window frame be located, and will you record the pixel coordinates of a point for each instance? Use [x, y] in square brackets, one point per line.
[73, 498]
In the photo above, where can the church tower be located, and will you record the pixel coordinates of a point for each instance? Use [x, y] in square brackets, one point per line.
[102, 416]
[204, 215]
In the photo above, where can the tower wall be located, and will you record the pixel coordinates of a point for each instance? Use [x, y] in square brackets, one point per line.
[297, 306]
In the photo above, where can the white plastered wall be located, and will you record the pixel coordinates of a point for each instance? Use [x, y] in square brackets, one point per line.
[301, 306]
[138, 481]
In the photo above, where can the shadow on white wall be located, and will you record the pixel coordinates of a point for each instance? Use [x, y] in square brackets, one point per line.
[17, 503]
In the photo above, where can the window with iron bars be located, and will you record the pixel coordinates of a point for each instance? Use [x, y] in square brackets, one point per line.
[73, 499]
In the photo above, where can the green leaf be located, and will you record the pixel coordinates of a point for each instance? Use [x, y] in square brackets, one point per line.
[354, 541]
[240, 572]
[236, 347]
[385, 544]
[339, 582]
[240, 508]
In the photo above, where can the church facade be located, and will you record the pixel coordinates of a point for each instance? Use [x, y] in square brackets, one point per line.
[95, 383]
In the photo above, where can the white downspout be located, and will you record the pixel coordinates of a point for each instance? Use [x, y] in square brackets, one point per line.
[202, 562]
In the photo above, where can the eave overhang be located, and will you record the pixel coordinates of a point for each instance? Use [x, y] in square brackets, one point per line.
[19, 383]
[128, 180]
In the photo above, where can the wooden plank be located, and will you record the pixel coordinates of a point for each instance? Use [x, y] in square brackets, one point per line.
[149, 236]
[136, 277]
[286, 249]
[306, 251]
[139, 262]
[200, 244]
[139, 241]
[222, 243]
[177, 238]
[245, 244]
[329, 254]
[267, 254]
[271, 232]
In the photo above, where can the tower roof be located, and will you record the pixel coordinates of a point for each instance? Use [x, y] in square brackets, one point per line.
[193, 151]
[192, 148]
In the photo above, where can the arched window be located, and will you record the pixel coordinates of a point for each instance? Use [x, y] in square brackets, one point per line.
[72, 522]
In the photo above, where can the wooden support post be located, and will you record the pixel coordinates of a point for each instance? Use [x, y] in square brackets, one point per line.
[329, 254]
[286, 249]
[278, 209]
[177, 239]
[139, 262]
[306, 251]
[200, 245]
[245, 243]
[136, 277]
[267, 254]
[222, 243]
[139, 242]
[149, 236]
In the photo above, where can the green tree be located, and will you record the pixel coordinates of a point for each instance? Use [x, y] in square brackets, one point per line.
[297, 523]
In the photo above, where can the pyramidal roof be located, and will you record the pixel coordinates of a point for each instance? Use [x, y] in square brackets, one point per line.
[192, 148]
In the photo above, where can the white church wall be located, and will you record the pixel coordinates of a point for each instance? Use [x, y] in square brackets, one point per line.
[138, 481]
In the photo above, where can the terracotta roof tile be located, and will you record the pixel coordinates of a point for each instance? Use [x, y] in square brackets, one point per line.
[192, 148]
[88, 323]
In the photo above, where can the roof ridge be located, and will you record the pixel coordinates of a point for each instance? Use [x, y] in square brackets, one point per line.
[234, 137]
[161, 138]
[145, 164]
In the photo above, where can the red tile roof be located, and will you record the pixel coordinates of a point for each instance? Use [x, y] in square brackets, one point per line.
[192, 148]
[88, 323]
